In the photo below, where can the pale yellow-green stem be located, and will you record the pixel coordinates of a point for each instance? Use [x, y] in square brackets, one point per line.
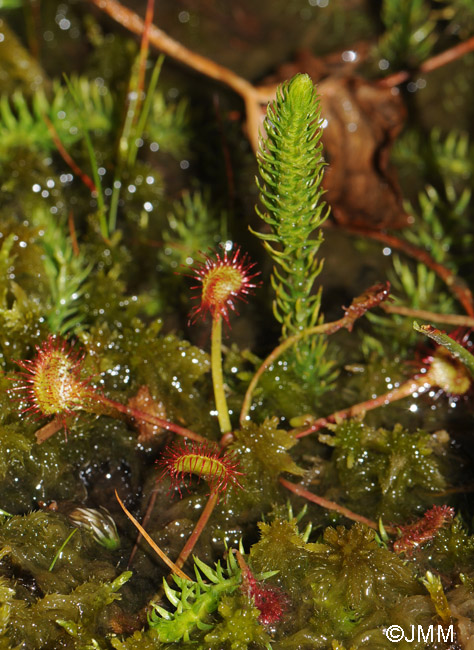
[217, 376]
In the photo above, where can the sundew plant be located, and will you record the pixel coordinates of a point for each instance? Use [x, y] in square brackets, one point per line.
[236, 325]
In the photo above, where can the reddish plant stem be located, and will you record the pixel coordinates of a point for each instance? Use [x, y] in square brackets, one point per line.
[373, 297]
[132, 21]
[198, 528]
[151, 419]
[409, 387]
[87, 180]
[49, 430]
[150, 8]
[455, 284]
[58, 423]
[253, 96]
[331, 505]
[437, 61]
[325, 328]
[72, 233]
[450, 319]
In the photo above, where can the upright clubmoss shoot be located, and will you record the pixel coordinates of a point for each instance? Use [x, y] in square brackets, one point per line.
[291, 171]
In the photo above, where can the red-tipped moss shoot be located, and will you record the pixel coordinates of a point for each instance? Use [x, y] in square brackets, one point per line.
[53, 386]
[206, 461]
[423, 530]
[222, 280]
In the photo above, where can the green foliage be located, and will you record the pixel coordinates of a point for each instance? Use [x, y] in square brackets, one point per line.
[239, 629]
[409, 32]
[66, 270]
[61, 615]
[193, 602]
[460, 14]
[263, 456]
[344, 583]
[340, 587]
[284, 549]
[442, 228]
[168, 125]
[47, 607]
[23, 125]
[21, 320]
[352, 575]
[415, 286]
[387, 473]
[139, 640]
[193, 227]
[265, 446]
[11, 4]
[455, 349]
[291, 170]
[175, 371]
[451, 549]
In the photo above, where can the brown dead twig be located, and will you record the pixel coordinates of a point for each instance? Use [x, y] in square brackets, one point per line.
[254, 97]
[455, 284]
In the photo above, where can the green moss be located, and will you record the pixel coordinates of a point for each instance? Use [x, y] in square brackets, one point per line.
[262, 451]
[34, 540]
[386, 473]
[239, 629]
[139, 640]
[65, 620]
[451, 550]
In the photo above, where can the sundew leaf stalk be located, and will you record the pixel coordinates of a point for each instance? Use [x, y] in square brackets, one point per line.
[291, 171]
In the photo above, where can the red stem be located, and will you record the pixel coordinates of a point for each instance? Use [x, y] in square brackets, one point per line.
[151, 419]
[437, 61]
[198, 528]
[455, 284]
[87, 180]
[144, 49]
[331, 505]
[407, 388]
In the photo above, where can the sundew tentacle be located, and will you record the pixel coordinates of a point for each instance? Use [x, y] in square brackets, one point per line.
[222, 280]
[204, 460]
[52, 381]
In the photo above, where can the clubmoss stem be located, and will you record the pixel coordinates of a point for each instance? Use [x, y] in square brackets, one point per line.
[217, 375]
